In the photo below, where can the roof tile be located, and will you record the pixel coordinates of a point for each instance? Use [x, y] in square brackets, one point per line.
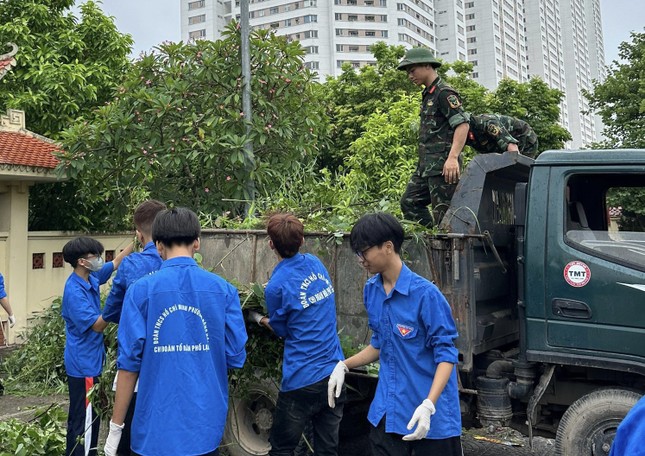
[20, 149]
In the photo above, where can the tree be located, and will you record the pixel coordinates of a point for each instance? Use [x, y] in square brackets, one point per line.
[535, 103]
[176, 132]
[620, 102]
[620, 98]
[65, 68]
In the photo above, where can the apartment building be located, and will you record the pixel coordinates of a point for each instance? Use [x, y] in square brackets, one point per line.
[333, 32]
[559, 41]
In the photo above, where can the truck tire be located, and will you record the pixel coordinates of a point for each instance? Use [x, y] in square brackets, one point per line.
[249, 422]
[588, 427]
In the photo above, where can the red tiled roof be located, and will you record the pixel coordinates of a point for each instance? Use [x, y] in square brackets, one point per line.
[22, 149]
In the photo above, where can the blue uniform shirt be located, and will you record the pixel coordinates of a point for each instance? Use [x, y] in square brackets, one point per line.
[84, 351]
[414, 330]
[133, 267]
[302, 309]
[181, 329]
[630, 436]
[3, 293]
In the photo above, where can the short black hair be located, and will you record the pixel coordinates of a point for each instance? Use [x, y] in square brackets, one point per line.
[375, 229]
[176, 226]
[80, 247]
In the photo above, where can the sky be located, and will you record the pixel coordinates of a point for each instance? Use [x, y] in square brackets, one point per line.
[152, 21]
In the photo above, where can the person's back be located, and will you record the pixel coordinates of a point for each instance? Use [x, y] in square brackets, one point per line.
[181, 329]
[183, 371]
[499, 133]
[307, 320]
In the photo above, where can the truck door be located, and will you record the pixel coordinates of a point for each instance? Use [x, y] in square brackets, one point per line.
[595, 271]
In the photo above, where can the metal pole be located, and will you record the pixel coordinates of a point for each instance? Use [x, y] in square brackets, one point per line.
[249, 161]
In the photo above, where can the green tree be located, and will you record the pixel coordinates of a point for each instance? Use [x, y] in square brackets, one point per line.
[620, 98]
[65, 68]
[176, 132]
[620, 102]
[535, 103]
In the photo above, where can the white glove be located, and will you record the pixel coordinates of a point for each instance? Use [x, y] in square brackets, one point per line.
[255, 317]
[335, 385]
[113, 439]
[12, 321]
[421, 417]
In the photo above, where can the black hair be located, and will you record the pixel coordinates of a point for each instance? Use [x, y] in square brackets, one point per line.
[176, 226]
[80, 247]
[375, 229]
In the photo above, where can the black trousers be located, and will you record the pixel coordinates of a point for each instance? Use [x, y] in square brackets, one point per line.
[295, 409]
[389, 444]
[78, 424]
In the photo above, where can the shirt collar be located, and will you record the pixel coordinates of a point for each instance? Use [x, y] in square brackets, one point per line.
[85, 284]
[178, 261]
[431, 87]
[402, 285]
[150, 246]
[298, 256]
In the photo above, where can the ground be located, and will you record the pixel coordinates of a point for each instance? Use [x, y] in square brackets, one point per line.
[498, 442]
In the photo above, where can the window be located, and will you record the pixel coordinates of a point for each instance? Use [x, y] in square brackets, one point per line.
[312, 49]
[197, 34]
[472, 40]
[352, 2]
[470, 5]
[601, 216]
[274, 10]
[38, 261]
[352, 17]
[353, 48]
[384, 33]
[369, 18]
[472, 51]
[339, 32]
[383, 2]
[195, 5]
[287, 22]
[352, 32]
[312, 65]
[340, 48]
[311, 34]
[274, 25]
[470, 28]
[311, 18]
[197, 19]
[370, 33]
[339, 16]
[57, 260]
[470, 16]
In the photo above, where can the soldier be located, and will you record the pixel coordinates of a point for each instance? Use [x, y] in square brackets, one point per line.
[442, 135]
[496, 133]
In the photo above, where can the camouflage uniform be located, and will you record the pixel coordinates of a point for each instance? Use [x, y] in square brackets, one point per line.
[441, 112]
[493, 133]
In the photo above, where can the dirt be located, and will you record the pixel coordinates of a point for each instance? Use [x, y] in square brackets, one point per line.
[25, 407]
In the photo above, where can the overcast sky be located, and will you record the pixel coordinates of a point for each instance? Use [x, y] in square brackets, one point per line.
[152, 21]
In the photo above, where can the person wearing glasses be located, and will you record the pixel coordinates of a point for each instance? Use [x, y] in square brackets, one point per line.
[413, 335]
[84, 326]
[442, 135]
[301, 303]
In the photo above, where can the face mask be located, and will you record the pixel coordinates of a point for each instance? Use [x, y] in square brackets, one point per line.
[95, 264]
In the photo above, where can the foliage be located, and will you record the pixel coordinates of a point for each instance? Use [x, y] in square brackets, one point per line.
[175, 130]
[44, 435]
[65, 68]
[37, 367]
[620, 102]
[620, 98]
[535, 103]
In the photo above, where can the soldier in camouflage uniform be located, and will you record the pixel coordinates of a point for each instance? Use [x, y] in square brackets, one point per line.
[442, 135]
[496, 133]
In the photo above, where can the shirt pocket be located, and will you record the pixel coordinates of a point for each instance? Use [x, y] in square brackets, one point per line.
[405, 331]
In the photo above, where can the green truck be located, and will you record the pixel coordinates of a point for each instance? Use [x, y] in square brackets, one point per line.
[543, 264]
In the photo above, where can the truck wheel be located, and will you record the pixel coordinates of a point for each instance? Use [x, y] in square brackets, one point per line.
[588, 427]
[249, 422]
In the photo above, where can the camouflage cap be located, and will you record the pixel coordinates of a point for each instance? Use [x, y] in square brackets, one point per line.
[417, 56]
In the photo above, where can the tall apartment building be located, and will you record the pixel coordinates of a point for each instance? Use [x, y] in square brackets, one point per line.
[559, 41]
[331, 31]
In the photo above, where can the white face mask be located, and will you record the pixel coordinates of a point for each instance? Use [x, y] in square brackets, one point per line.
[95, 264]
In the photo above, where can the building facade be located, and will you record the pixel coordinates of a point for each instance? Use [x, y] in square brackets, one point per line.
[559, 41]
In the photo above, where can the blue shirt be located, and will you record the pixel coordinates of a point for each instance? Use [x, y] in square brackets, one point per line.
[630, 436]
[181, 329]
[132, 268]
[3, 294]
[414, 330]
[302, 309]
[84, 351]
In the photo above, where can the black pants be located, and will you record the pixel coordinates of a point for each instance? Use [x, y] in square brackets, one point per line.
[77, 424]
[295, 409]
[212, 453]
[389, 444]
[124, 443]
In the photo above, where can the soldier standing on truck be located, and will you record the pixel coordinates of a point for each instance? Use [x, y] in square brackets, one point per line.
[442, 135]
[302, 309]
[413, 335]
[497, 133]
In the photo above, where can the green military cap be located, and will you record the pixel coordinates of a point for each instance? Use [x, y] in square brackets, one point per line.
[417, 56]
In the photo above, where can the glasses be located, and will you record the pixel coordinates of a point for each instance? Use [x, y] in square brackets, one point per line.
[361, 253]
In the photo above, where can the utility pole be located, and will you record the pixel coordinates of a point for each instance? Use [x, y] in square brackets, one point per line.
[249, 160]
